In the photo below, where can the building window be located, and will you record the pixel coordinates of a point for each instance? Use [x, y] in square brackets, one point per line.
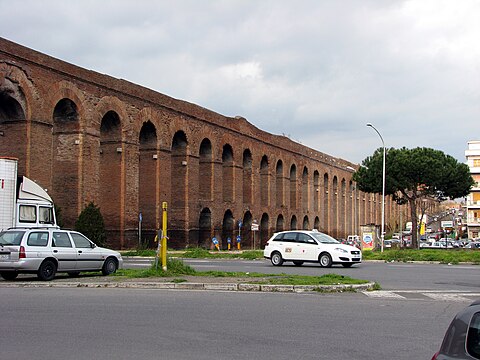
[476, 162]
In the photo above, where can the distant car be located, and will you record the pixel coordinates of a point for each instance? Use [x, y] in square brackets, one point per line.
[472, 245]
[462, 338]
[46, 251]
[301, 246]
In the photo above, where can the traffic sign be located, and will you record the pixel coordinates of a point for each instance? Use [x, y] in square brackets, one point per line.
[447, 224]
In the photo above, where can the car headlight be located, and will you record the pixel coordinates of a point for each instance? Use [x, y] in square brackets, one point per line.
[341, 250]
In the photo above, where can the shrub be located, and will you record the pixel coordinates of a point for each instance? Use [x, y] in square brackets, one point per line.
[90, 223]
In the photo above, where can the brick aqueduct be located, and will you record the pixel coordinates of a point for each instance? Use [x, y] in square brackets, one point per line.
[86, 136]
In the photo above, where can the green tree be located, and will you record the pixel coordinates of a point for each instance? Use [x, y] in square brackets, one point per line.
[90, 223]
[412, 175]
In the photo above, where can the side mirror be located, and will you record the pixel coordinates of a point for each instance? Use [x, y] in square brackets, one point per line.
[92, 245]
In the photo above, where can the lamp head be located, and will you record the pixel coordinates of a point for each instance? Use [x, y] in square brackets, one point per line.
[369, 124]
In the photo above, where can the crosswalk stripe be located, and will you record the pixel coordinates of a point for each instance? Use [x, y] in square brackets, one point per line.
[447, 297]
[383, 294]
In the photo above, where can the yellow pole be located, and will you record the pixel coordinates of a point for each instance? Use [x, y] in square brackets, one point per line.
[164, 236]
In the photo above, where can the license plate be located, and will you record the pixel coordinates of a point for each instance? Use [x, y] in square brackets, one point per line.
[4, 257]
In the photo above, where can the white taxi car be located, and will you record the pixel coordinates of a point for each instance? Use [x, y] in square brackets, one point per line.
[301, 246]
[47, 251]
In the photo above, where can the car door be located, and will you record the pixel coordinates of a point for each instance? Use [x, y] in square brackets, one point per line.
[307, 247]
[289, 246]
[63, 251]
[88, 256]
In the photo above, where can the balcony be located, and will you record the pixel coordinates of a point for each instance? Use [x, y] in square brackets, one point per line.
[473, 204]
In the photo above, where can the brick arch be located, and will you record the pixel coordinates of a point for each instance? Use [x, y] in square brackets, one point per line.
[111, 144]
[228, 165]
[305, 189]
[67, 90]
[293, 174]
[247, 176]
[179, 185]
[27, 127]
[205, 170]
[279, 184]
[29, 97]
[264, 181]
[112, 103]
[70, 148]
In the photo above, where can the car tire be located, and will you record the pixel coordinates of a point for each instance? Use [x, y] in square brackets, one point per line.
[109, 266]
[9, 275]
[325, 260]
[47, 270]
[298, 263]
[276, 259]
[347, 265]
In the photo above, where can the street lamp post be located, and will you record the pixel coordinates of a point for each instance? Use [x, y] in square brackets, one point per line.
[382, 236]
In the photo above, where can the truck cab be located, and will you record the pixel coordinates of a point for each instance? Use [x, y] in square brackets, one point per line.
[34, 206]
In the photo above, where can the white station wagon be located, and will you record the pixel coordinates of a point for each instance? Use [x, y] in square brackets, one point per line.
[301, 246]
[47, 251]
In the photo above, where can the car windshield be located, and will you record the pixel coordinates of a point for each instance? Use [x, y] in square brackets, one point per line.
[324, 238]
[11, 237]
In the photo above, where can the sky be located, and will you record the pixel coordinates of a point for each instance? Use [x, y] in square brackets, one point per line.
[316, 71]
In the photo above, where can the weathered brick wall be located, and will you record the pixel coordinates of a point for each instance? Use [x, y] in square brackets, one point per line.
[88, 137]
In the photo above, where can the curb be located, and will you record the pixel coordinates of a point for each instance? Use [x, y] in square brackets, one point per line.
[197, 286]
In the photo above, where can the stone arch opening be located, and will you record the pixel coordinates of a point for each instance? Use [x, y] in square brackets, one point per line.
[178, 188]
[316, 224]
[335, 214]
[147, 184]
[227, 173]
[293, 187]
[110, 169]
[352, 208]
[205, 173]
[326, 208]
[264, 188]
[228, 227]
[10, 108]
[305, 197]
[205, 228]
[280, 226]
[246, 230]
[66, 152]
[316, 190]
[13, 125]
[306, 223]
[264, 230]
[247, 176]
[293, 223]
[279, 196]
[344, 221]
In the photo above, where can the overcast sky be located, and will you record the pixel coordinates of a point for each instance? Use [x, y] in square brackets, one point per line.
[317, 71]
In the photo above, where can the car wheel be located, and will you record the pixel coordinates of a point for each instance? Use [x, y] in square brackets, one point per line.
[276, 259]
[298, 263]
[325, 260]
[9, 275]
[73, 273]
[47, 270]
[347, 265]
[109, 266]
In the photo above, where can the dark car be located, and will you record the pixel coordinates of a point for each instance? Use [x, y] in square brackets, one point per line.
[462, 339]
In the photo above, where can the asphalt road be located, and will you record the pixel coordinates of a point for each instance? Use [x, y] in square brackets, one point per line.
[86, 323]
[391, 276]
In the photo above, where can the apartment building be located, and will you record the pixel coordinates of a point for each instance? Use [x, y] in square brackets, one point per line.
[473, 199]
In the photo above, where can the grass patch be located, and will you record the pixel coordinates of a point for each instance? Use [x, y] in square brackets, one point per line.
[451, 256]
[327, 279]
[176, 268]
